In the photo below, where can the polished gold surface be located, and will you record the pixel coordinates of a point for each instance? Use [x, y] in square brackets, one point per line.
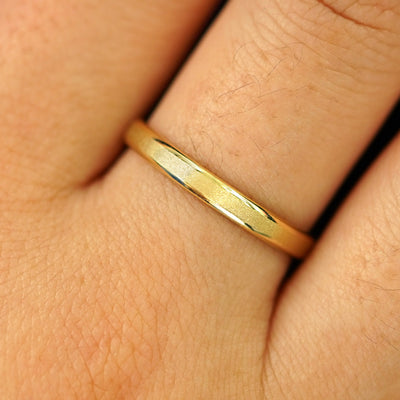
[217, 193]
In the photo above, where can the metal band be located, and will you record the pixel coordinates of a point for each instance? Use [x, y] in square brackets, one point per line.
[217, 193]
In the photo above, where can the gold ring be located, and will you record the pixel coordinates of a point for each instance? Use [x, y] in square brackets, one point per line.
[218, 194]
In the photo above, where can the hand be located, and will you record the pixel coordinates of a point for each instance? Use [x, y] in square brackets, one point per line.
[117, 284]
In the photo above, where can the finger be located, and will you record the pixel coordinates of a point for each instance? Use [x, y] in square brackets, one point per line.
[279, 102]
[323, 96]
[337, 319]
[73, 74]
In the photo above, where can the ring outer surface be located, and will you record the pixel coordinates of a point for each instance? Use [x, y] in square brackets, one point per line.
[216, 193]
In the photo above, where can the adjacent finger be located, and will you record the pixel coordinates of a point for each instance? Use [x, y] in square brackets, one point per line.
[74, 73]
[343, 304]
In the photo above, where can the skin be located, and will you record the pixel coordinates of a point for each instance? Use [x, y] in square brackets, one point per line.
[115, 283]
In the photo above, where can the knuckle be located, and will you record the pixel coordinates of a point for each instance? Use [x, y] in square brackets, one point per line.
[367, 25]
[379, 15]
[353, 44]
[374, 14]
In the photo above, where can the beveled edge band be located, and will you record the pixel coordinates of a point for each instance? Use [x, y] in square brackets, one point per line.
[216, 193]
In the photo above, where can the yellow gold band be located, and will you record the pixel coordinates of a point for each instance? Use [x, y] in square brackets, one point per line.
[217, 193]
